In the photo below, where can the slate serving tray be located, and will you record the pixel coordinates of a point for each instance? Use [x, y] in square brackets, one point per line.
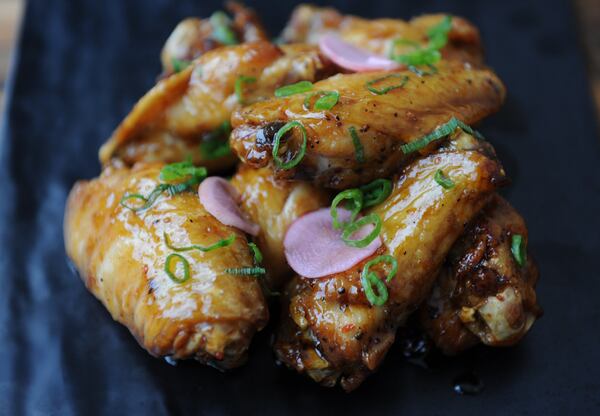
[78, 69]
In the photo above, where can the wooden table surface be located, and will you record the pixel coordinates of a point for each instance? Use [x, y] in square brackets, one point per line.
[587, 12]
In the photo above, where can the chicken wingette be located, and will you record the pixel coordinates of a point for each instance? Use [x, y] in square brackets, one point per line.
[330, 330]
[485, 292]
[187, 114]
[361, 137]
[274, 205]
[177, 304]
[383, 36]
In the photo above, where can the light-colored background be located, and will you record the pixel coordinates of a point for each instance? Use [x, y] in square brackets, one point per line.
[587, 11]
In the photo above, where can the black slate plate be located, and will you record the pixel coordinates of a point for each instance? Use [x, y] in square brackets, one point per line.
[80, 66]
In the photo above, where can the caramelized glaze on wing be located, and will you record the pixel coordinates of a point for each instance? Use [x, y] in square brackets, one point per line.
[308, 23]
[329, 329]
[383, 122]
[482, 294]
[121, 256]
[182, 110]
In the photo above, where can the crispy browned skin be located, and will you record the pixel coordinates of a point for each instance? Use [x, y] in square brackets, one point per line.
[308, 23]
[383, 122]
[329, 330]
[274, 205]
[121, 256]
[482, 294]
[193, 37]
[182, 110]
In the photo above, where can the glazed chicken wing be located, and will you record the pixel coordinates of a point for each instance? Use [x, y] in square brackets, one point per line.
[308, 23]
[359, 139]
[187, 113]
[123, 257]
[330, 331]
[193, 37]
[482, 293]
[274, 205]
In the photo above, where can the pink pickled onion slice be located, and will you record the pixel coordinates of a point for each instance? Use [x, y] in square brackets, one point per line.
[219, 198]
[314, 249]
[350, 57]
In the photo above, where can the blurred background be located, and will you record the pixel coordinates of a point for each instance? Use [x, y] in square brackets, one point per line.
[587, 13]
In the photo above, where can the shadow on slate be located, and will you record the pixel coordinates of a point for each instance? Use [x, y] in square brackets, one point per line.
[80, 66]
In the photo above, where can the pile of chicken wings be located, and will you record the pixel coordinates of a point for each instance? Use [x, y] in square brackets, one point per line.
[335, 174]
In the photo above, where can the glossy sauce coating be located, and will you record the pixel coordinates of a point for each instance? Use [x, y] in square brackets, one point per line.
[121, 257]
[274, 205]
[330, 331]
[382, 122]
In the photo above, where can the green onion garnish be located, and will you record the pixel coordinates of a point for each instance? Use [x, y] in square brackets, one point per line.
[428, 55]
[518, 249]
[420, 72]
[258, 257]
[326, 100]
[222, 31]
[221, 243]
[359, 151]
[215, 144]
[181, 170]
[239, 84]
[179, 64]
[385, 90]
[376, 192]
[442, 131]
[297, 88]
[246, 271]
[172, 272]
[354, 196]
[277, 142]
[443, 180]
[353, 227]
[368, 279]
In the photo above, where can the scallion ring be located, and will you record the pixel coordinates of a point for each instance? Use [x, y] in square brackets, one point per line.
[297, 88]
[326, 100]
[221, 243]
[442, 131]
[258, 257]
[385, 90]
[179, 64]
[443, 180]
[518, 249]
[246, 271]
[353, 227]
[355, 197]
[386, 258]
[368, 281]
[359, 151]
[172, 273]
[277, 142]
[376, 192]
[222, 31]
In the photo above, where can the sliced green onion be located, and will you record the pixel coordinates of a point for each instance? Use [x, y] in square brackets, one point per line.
[148, 201]
[368, 279]
[440, 132]
[438, 34]
[326, 100]
[258, 257]
[385, 90]
[222, 31]
[420, 72]
[215, 144]
[297, 88]
[179, 64]
[376, 192]
[221, 243]
[239, 85]
[277, 142]
[182, 170]
[443, 180]
[518, 249]
[359, 152]
[428, 55]
[172, 272]
[246, 271]
[355, 196]
[353, 227]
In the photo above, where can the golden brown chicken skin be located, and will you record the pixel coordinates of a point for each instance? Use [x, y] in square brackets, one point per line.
[382, 123]
[121, 256]
[190, 108]
[482, 294]
[308, 23]
[274, 205]
[329, 330]
[193, 37]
